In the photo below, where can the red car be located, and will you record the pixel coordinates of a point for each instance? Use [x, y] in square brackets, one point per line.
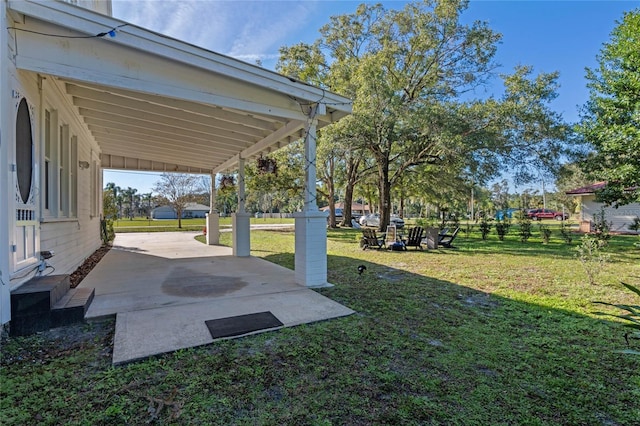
[536, 214]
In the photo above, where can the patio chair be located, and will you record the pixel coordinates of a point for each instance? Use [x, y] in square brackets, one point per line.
[446, 240]
[370, 239]
[414, 238]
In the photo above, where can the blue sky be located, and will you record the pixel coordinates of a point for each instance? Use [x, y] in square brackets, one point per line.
[562, 36]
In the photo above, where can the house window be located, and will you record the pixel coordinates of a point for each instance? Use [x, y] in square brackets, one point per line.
[65, 170]
[24, 151]
[51, 174]
[60, 177]
[47, 159]
[73, 178]
[95, 182]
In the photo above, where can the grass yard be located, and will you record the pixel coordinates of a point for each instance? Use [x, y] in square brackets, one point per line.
[489, 333]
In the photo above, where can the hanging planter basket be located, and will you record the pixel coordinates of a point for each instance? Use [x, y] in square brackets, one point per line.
[267, 165]
[227, 181]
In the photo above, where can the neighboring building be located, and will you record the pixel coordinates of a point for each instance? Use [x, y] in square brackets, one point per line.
[620, 218]
[191, 210]
[81, 91]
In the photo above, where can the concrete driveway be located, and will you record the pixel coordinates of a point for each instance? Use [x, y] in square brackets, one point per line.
[163, 286]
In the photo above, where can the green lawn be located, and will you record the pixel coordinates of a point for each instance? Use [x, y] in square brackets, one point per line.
[489, 333]
[163, 225]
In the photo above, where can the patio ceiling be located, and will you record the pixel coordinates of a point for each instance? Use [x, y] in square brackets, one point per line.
[155, 103]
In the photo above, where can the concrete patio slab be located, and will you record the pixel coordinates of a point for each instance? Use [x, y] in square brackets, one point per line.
[162, 287]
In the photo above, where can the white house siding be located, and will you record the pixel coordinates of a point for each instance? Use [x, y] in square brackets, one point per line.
[620, 217]
[74, 239]
[101, 6]
[72, 234]
[6, 46]
[192, 210]
[164, 212]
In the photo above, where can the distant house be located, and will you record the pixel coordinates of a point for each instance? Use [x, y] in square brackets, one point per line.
[191, 210]
[620, 218]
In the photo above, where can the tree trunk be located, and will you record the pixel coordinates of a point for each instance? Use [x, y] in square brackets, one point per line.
[331, 189]
[385, 193]
[331, 193]
[348, 201]
[352, 177]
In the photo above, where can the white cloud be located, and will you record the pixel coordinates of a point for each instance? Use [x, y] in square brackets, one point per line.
[247, 30]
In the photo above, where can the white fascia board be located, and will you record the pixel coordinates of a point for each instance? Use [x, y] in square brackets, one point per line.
[91, 23]
[109, 161]
[138, 84]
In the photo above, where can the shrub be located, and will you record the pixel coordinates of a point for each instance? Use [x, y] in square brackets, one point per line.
[566, 233]
[591, 257]
[525, 227]
[502, 228]
[632, 316]
[545, 233]
[602, 228]
[485, 227]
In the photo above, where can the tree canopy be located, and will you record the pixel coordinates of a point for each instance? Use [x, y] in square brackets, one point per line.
[410, 73]
[610, 121]
[178, 189]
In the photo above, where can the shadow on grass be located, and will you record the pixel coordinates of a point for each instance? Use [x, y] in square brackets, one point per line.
[433, 351]
[419, 350]
[621, 246]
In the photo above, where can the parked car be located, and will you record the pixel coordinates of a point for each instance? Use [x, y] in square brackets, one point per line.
[373, 219]
[339, 215]
[537, 214]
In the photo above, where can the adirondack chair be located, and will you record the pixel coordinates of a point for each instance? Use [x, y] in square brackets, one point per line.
[370, 239]
[446, 240]
[414, 238]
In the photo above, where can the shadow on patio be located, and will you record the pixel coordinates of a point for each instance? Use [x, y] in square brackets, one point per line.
[163, 286]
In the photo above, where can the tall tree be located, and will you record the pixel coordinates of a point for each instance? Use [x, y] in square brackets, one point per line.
[147, 198]
[178, 190]
[610, 121]
[402, 67]
[130, 195]
[117, 197]
[407, 71]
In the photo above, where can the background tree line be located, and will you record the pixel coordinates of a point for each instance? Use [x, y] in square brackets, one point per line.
[420, 141]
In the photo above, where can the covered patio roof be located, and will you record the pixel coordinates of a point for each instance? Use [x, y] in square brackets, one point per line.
[158, 104]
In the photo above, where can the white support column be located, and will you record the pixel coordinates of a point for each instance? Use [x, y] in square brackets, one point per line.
[240, 219]
[213, 218]
[311, 224]
[310, 201]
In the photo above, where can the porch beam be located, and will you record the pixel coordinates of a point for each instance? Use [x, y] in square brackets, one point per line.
[115, 138]
[287, 130]
[166, 157]
[157, 128]
[129, 36]
[109, 161]
[76, 69]
[230, 131]
[188, 111]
